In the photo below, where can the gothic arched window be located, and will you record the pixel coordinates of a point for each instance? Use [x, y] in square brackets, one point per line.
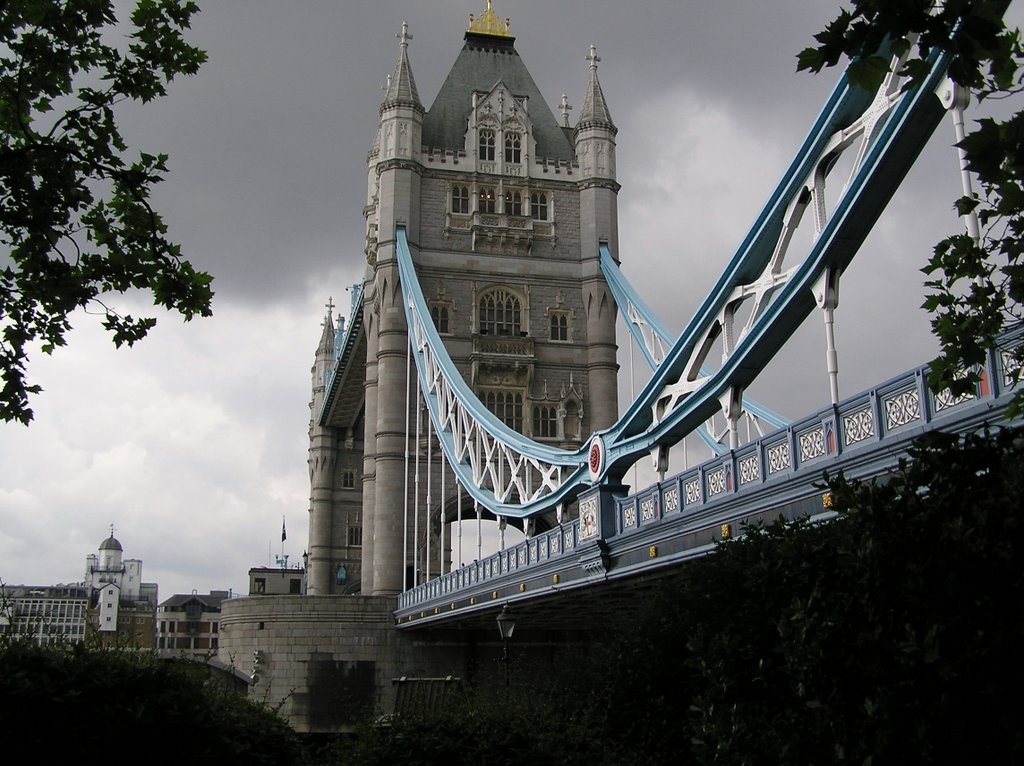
[486, 200]
[487, 144]
[460, 199]
[559, 326]
[441, 317]
[539, 206]
[513, 203]
[513, 147]
[501, 313]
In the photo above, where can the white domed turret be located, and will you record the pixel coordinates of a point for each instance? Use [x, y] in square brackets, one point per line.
[110, 554]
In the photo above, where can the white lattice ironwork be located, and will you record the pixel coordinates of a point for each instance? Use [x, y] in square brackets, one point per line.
[629, 516]
[945, 399]
[692, 491]
[648, 508]
[716, 481]
[902, 408]
[671, 499]
[812, 444]
[861, 134]
[653, 342]
[750, 469]
[495, 464]
[1010, 365]
[778, 458]
[858, 426]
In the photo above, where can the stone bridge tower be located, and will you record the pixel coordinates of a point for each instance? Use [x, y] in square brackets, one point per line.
[504, 205]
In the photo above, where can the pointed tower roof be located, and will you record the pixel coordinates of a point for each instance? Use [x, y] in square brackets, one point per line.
[594, 111]
[401, 85]
[488, 56]
[326, 345]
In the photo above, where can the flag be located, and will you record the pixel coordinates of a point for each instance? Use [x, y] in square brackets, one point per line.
[284, 534]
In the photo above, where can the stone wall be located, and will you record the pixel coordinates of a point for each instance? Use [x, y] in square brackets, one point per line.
[327, 662]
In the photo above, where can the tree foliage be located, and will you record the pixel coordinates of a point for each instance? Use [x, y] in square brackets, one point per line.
[976, 287]
[886, 635]
[64, 703]
[76, 220]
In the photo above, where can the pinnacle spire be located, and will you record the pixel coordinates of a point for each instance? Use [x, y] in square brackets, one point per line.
[326, 344]
[594, 109]
[401, 89]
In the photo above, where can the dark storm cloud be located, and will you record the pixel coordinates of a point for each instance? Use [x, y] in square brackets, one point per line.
[268, 142]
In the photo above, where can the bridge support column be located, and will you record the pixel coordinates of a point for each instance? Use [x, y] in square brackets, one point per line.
[732, 408]
[826, 295]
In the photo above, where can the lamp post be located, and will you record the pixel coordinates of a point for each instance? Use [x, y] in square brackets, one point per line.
[506, 624]
[305, 572]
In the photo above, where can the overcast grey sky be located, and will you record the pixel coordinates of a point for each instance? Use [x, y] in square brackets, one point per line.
[193, 444]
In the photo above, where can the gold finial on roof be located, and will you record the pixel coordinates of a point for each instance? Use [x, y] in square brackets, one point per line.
[488, 23]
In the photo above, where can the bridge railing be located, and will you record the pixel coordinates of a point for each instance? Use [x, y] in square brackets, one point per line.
[893, 412]
[543, 546]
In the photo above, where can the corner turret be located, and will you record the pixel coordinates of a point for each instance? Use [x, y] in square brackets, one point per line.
[594, 139]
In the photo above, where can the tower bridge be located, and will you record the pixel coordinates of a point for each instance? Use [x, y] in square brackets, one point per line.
[476, 378]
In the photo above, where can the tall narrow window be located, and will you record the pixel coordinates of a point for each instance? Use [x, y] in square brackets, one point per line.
[507, 406]
[513, 203]
[513, 147]
[487, 145]
[460, 199]
[539, 206]
[559, 326]
[545, 422]
[486, 200]
[355, 536]
[440, 315]
[500, 313]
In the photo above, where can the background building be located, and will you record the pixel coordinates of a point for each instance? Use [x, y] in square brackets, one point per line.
[269, 581]
[111, 603]
[190, 623]
[122, 608]
[48, 613]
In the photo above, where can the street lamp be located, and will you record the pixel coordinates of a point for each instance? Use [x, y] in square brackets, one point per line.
[506, 624]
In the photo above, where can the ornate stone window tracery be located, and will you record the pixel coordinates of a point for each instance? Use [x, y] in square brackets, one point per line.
[500, 312]
[486, 199]
[460, 200]
[506, 405]
[539, 206]
[486, 145]
[513, 203]
[441, 317]
[513, 147]
[442, 311]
